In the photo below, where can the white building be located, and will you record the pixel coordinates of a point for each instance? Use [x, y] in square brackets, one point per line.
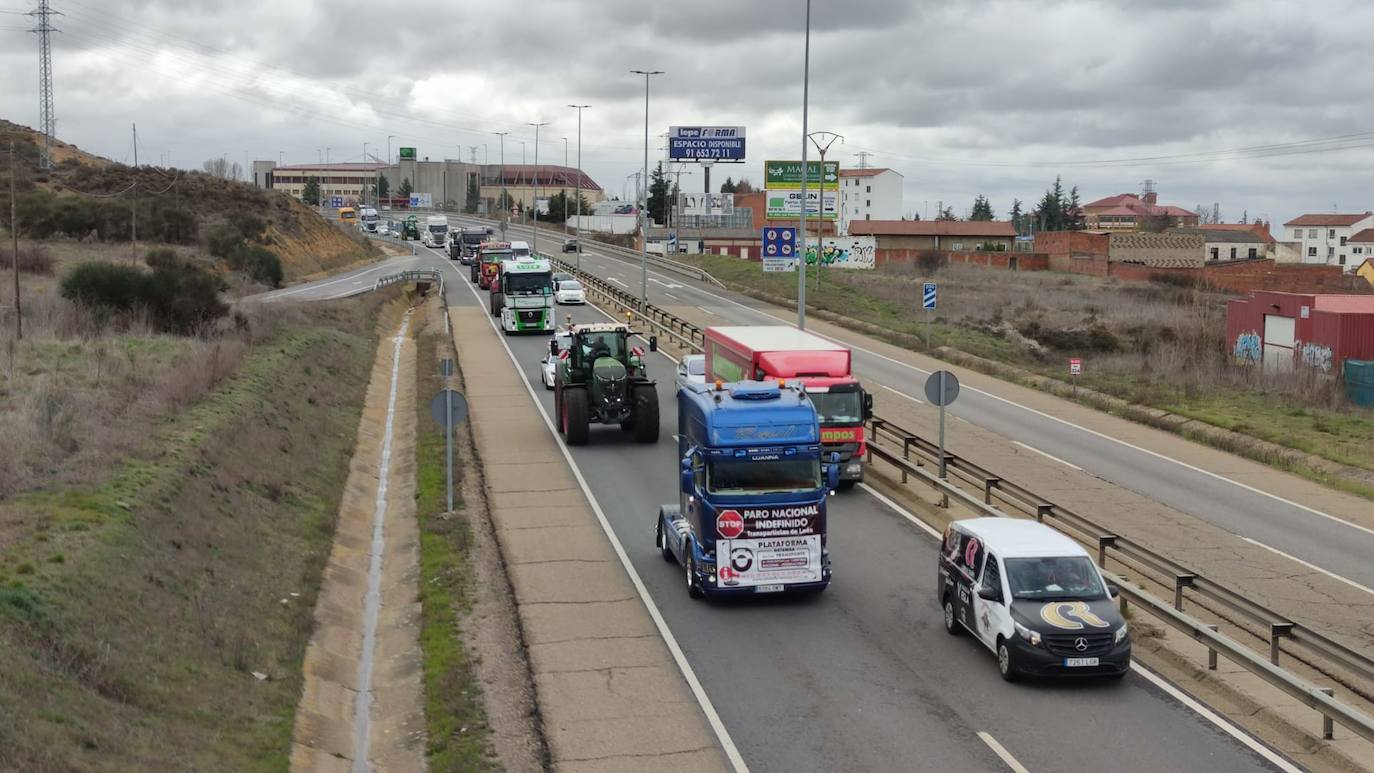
[1324, 239]
[1361, 247]
[869, 194]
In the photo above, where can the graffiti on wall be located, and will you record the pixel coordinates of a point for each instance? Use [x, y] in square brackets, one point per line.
[1316, 356]
[1248, 347]
[843, 252]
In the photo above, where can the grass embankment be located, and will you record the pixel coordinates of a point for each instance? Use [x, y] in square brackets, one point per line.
[138, 609]
[459, 735]
[1157, 345]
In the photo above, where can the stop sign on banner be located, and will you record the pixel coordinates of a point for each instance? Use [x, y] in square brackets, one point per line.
[729, 524]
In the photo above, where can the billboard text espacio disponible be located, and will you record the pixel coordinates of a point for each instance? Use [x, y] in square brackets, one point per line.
[706, 143]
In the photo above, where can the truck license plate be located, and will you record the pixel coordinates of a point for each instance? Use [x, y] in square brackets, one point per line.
[768, 589]
[1079, 662]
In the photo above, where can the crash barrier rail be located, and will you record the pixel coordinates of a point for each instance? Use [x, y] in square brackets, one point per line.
[657, 261]
[413, 275]
[993, 486]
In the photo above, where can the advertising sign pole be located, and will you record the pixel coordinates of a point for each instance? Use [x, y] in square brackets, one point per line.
[801, 230]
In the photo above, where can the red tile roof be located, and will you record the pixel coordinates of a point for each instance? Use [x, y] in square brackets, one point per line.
[1337, 220]
[1367, 235]
[931, 228]
[1131, 204]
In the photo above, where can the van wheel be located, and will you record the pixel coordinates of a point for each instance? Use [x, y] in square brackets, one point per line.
[951, 623]
[661, 542]
[1006, 665]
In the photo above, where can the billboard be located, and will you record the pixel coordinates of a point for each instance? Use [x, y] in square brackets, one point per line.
[407, 153]
[787, 174]
[842, 251]
[422, 201]
[785, 203]
[706, 143]
[702, 204]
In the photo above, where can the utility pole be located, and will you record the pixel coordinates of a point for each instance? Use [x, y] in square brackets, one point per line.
[801, 230]
[14, 236]
[134, 220]
[644, 197]
[534, 248]
[578, 229]
[828, 138]
[502, 171]
[47, 119]
[863, 158]
[365, 184]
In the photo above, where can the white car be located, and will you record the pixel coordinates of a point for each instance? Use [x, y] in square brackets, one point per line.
[569, 291]
[383, 230]
[692, 370]
[550, 362]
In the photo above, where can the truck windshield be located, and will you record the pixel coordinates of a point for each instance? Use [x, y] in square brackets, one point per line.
[779, 476]
[495, 257]
[474, 238]
[529, 284]
[1062, 577]
[838, 407]
[438, 229]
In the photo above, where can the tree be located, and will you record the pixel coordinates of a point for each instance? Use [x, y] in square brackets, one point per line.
[744, 186]
[1154, 224]
[473, 194]
[311, 194]
[1073, 213]
[382, 188]
[658, 195]
[504, 201]
[1245, 217]
[947, 214]
[1016, 216]
[982, 210]
[222, 168]
[406, 189]
[562, 206]
[728, 186]
[1049, 214]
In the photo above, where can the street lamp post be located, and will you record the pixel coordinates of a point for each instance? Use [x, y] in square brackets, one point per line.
[823, 141]
[644, 196]
[578, 228]
[534, 248]
[801, 230]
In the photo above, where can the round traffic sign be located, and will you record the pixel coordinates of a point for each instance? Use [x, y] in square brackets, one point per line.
[942, 394]
[729, 524]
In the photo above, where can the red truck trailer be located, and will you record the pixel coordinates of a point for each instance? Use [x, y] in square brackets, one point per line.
[780, 353]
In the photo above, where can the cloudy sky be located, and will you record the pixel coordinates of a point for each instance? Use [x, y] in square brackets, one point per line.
[961, 96]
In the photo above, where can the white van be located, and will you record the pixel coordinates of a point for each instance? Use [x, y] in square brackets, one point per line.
[1032, 596]
[520, 249]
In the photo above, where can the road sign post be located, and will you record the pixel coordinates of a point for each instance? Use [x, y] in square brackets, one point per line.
[779, 248]
[1075, 370]
[942, 388]
[449, 409]
[928, 303]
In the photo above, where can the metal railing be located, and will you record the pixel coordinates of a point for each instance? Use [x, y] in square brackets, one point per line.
[413, 275]
[1127, 551]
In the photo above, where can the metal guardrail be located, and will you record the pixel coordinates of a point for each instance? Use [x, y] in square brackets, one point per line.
[994, 487]
[413, 275]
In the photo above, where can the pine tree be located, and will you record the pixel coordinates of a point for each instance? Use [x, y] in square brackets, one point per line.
[473, 194]
[406, 189]
[982, 210]
[382, 188]
[728, 186]
[1016, 215]
[947, 214]
[1073, 213]
[658, 194]
[311, 194]
[744, 186]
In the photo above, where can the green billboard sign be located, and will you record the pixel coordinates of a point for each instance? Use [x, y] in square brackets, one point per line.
[787, 174]
[408, 153]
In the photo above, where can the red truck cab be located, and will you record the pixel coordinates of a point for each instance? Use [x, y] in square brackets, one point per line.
[781, 353]
[487, 264]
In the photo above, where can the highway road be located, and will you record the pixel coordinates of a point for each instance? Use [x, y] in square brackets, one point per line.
[1327, 542]
[864, 677]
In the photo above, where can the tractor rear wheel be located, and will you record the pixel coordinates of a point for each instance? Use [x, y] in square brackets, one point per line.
[646, 413]
[575, 416]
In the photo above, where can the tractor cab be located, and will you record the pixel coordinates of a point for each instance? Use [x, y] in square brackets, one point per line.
[601, 379]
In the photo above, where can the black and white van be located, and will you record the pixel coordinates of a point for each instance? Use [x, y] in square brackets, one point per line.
[1032, 596]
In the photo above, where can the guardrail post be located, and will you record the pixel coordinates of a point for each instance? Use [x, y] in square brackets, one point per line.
[1211, 653]
[1043, 510]
[1104, 541]
[1277, 631]
[988, 485]
[1328, 727]
[1181, 581]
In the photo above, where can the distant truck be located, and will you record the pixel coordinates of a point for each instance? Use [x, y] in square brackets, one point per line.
[522, 295]
[435, 232]
[781, 353]
[368, 219]
[751, 510]
[487, 264]
[464, 247]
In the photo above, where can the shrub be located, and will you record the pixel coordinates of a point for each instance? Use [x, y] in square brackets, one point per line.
[34, 260]
[179, 296]
[226, 240]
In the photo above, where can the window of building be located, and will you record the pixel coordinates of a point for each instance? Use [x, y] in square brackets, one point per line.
[868, 189]
[1297, 233]
[1311, 252]
[1330, 233]
[1343, 241]
[1253, 253]
[868, 202]
[1359, 250]
[1311, 233]
[868, 217]
[1213, 253]
[1233, 253]
[1330, 251]
[1342, 260]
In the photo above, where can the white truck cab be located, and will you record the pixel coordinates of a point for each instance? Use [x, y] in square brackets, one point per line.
[434, 232]
[520, 249]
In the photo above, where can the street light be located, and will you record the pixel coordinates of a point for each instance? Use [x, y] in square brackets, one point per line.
[801, 230]
[644, 197]
[534, 248]
[578, 227]
[828, 138]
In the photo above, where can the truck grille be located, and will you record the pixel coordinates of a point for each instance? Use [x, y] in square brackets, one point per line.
[846, 450]
[531, 317]
[1066, 644]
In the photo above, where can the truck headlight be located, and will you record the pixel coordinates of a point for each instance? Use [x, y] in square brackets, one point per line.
[1120, 633]
[1025, 633]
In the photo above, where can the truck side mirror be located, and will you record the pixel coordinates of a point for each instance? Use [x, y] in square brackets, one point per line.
[868, 406]
[653, 343]
[832, 471]
[687, 478]
[553, 346]
[990, 593]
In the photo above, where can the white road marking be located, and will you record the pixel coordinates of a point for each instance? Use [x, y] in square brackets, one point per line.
[703, 700]
[1047, 456]
[1001, 751]
[372, 601]
[902, 394]
[670, 295]
[708, 311]
[1311, 566]
[1220, 722]
[318, 285]
[1067, 423]
[617, 281]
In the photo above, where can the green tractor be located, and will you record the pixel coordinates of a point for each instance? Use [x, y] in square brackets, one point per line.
[600, 379]
[410, 229]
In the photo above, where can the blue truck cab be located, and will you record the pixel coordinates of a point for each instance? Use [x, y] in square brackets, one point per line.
[750, 516]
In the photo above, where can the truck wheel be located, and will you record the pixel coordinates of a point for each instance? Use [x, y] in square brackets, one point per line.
[646, 414]
[661, 541]
[693, 590]
[495, 304]
[575, 416]
[558, 418]
[846, 485]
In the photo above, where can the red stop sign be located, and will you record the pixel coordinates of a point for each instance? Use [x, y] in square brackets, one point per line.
[729, 524]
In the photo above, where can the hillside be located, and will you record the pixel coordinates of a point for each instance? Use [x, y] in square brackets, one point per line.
[86, 196]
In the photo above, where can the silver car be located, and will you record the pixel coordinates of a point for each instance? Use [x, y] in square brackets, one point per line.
[549, 364]
[692, 370]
